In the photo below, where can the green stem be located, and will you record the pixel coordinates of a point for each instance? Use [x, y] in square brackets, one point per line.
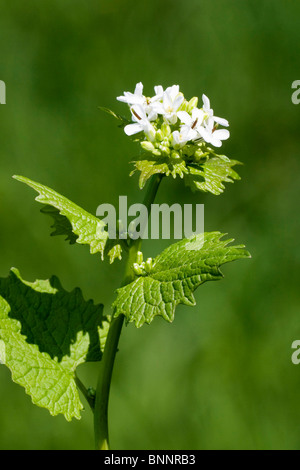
[88, 397]
[111, 346]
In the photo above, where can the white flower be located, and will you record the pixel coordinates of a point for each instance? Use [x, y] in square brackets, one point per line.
[141, 123]
[210, 119]
[194, 121]
[181, 137]
[200, 124]
[133, 98]
[208, 131]
[171, 101]
[214, 136]
[159, 92]
[137, 98]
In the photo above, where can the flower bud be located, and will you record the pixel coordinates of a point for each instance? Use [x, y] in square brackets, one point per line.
[165, 129]
[137, 269]
[148, 265]
[175, 155]
[159, 135]
[192, 104]
[139, 257]
[183, 106]
[148, 146]
[164, 150]
[189, 150]
[199, 155]
[151, 133]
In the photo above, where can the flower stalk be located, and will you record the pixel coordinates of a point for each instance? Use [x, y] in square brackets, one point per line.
[106, 366]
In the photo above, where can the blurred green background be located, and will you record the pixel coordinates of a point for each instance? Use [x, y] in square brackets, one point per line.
[221, 376]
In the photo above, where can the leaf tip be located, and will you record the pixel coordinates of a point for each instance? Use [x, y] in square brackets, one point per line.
[20, 178]
[15, 272]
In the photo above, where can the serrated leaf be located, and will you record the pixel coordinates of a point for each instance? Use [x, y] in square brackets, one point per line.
[113, 250]
[45, 333]
[164, 166]
[175, 274]
[211, 175]
[61, 224]
[87, 228]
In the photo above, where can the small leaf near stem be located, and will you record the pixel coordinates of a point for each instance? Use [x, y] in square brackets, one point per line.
[107, 363]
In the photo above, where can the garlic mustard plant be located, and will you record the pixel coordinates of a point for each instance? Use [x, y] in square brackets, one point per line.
[46, 332]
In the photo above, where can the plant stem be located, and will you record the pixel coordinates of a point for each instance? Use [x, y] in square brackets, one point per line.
[111, 346]
[84, 391]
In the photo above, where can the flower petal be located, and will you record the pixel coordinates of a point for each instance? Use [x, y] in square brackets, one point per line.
[124, 99]
[173, 91]
[204, 133]
[171, 118]
[132, 129]
[188, 133]
[130, 98]
[138, 112]
[221, 134]
[176, 137]
[206, 102]
[198, 114]
[216, 142]
[221, 121]
[158, 107]
[158, 91]
[139, 89]
[151, 113]
[185, 118]
[178, 101]
[167, 100]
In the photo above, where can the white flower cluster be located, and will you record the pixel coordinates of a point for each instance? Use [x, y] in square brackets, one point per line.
[184, 121]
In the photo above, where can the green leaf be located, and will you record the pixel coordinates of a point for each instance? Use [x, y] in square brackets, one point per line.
[87, 229]
[45, 333]
[113, 250]
[61, 224]
[175, 274]
[164, 165]
[210, 175]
